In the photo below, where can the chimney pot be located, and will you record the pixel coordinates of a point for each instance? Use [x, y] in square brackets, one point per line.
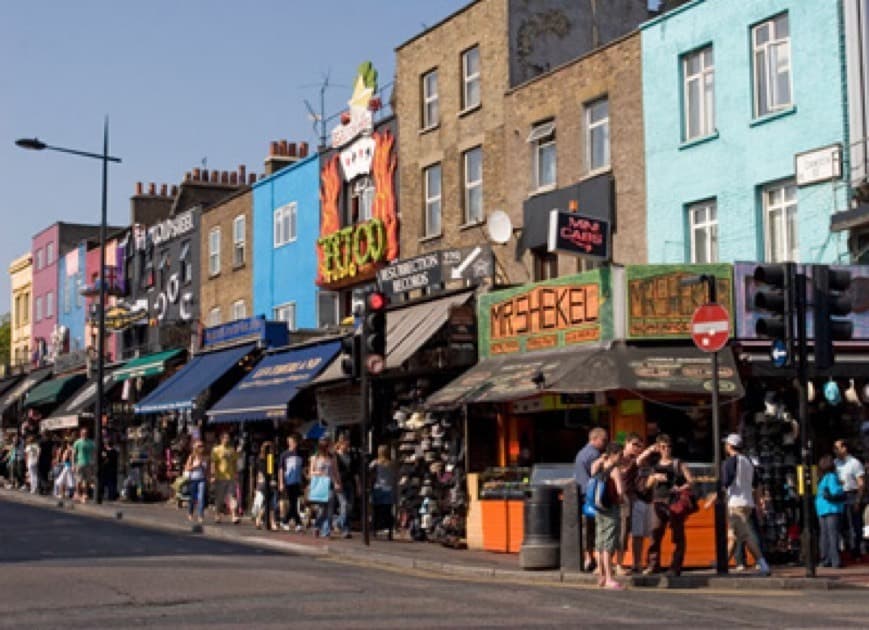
[139, 188]
[215, 175]
[274, 148]
[152, 188]
[197, 174]
[174, 190]
[163, 190]
[224, 177]
[251, 178]
[233, 178]
[283, 147]
[242, 173]
[291, 149]
[303, 149]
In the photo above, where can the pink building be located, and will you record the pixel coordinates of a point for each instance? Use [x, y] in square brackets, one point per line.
[115, 279]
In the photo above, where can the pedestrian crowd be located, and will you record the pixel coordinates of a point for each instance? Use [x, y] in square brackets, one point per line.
[631, 494]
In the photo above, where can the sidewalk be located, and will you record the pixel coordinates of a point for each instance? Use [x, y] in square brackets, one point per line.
[431, 557]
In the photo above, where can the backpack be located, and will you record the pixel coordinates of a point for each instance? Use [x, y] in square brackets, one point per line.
[595, 493]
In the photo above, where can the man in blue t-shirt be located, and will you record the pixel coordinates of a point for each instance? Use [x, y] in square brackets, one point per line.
[290, 482]
[588, 454]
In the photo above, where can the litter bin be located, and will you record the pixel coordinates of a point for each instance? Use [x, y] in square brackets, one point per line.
[541, 546]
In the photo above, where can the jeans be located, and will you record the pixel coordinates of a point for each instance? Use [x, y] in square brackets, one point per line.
[852, 523]
[197, 497]
[345, 508]
[292, 492]
[324, 515]
[660, 518]
[33, 471]
[830, 524]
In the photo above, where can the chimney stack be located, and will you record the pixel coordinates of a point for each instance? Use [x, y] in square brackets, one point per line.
[283, 153]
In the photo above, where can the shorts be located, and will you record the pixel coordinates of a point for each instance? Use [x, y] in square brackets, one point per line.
[607, 530]
[641, 519]
[86, 473]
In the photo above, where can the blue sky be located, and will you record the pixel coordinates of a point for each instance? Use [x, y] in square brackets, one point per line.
[180, 81]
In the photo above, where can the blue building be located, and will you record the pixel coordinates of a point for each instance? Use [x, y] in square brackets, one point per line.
[70, 303]
[286, 224]
[745, 118]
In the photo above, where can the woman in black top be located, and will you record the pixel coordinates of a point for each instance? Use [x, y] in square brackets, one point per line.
[670, 475]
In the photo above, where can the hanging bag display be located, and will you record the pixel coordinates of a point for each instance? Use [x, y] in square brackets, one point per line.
[318, 489]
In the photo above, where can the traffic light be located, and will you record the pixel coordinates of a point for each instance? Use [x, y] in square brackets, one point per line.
[775, 294]
[830, 303]
[374, 332]
[351, 355]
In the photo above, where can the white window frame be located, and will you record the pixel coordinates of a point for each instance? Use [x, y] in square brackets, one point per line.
[285, 224]
[68, 284]
[432, 201]
[239, 310]
[472, 185]
[592, 128]
[704, 78]
[49, 253]
[239, 225]
[707, 225]
[430, 101]
[541, 138]
[39, 259]
[764, 56]
[214, 251]
[336, 316]
[285, 312]
[49, 304]
[214, 317]
[37, 315]
[789, 248]
[470, 78]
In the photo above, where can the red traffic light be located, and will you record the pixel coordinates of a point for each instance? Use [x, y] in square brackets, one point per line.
[376, 301]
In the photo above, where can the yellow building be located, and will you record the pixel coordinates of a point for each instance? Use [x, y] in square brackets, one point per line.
[21, 276]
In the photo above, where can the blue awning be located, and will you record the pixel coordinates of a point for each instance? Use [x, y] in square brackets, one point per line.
[180, 390]
[267, 390]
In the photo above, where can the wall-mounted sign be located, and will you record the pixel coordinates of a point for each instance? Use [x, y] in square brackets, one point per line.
[546, 315]
[660, 306]
[250, 329]
[818, 165]
[120, 317]
[402, 276]
[579, 235]
[468, 263]
[356, 159]
[358, 119]
[172, 227]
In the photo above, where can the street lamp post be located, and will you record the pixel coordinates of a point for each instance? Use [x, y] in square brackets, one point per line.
[37, 145]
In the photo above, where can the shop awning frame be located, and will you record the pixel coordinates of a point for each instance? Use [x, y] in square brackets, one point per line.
[180, 391]
[78, 405]
[54, 391]
[25, 385]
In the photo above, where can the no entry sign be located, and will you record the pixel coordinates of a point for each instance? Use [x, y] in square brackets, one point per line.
[710, 327]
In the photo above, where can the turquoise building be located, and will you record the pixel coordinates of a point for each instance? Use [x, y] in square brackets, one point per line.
[733, 93]
[286, 225]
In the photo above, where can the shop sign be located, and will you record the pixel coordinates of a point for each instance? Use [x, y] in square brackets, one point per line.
[120, 317]
[746, 316]
[172, 227]
[299, 371]
[468, 263]
[356, 159]
[578, 235]
[546, 315]
[402, 276]
[660, 306]
[351, 249]
[657, 370]
[358, 119]
[251, 328]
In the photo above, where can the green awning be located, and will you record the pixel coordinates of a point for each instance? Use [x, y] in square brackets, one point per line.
[149, 365]
[54, 391]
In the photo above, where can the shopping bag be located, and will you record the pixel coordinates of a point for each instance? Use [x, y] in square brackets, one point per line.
[318, 489]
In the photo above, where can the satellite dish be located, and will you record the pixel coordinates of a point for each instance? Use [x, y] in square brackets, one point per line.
[499, 227]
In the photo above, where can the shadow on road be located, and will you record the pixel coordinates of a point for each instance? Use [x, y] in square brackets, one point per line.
[31, 533]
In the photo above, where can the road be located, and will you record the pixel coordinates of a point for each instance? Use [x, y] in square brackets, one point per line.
[60, 570]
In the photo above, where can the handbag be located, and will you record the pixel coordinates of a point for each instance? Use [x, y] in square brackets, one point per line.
[683, 503]
[318, 489]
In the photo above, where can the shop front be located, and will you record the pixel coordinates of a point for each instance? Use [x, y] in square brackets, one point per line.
[11, 402]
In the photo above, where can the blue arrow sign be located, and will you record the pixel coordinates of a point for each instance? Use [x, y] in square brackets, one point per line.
[778, 352]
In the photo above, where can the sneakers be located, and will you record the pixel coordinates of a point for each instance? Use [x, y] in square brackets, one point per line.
[285, 527]
[299, 528]
[739, 568]
[763, 568]
[651, 570]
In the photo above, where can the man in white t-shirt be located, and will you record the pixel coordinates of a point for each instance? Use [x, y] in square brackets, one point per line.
[852, 476]
[739, 481]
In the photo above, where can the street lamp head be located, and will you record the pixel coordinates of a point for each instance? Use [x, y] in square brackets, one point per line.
[31, 143]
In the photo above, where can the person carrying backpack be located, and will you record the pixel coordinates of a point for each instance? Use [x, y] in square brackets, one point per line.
[607, 487]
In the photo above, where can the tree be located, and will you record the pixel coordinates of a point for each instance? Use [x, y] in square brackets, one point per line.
[5, 333]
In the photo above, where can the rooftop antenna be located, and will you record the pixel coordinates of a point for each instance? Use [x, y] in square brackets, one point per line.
[319, 119]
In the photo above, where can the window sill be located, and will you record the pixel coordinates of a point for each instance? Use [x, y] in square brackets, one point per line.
[428, 129]
[471, 225]
[428, 239]
[687, 144]
[773, 116]
[239, 266]
[540, 191]
[469, 110]
[214, 275]
[598, 171]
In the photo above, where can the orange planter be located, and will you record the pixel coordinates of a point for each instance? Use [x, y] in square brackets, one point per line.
[494, 513]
